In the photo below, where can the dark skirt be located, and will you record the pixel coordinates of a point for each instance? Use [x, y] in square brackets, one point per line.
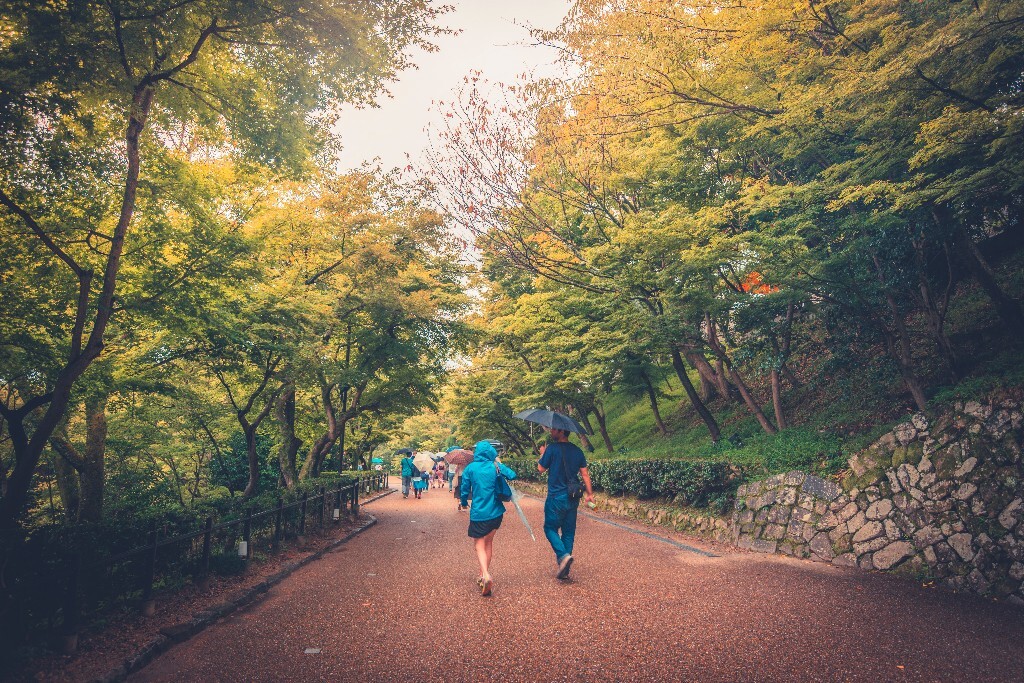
[481, 529]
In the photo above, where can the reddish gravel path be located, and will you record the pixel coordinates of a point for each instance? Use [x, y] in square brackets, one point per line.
[399, 603]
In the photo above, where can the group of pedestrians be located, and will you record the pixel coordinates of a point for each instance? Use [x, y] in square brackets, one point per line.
[564, 464]
[413, 478]
[419, 480]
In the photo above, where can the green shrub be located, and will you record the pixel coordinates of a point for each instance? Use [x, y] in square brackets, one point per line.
[691, 482]
[525, 469]
[227, 564]
[700, 483]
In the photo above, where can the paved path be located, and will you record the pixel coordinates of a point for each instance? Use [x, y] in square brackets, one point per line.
[399, 603]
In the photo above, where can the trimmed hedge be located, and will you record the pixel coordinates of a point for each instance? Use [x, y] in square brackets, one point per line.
[699, 483]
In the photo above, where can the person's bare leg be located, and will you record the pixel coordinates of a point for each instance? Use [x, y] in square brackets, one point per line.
[490, 547]
[482, 556]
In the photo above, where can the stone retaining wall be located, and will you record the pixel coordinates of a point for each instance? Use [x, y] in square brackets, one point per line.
[944, 500]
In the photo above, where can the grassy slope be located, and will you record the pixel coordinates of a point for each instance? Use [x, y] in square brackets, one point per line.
[839, 410]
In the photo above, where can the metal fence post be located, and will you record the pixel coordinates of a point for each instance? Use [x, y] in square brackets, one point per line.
[277, 523]
[72, 611]
[203, 577]
[337, 505]
[355, 497]
[302, 514]
[148, 606]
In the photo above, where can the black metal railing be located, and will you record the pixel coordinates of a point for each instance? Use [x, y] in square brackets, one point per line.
[74, 586]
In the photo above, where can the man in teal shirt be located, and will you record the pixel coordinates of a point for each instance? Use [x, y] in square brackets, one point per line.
[407, 468]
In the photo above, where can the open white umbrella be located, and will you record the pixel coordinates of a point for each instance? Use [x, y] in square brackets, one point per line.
[423, 461]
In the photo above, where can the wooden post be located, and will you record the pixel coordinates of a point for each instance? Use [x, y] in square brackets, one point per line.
[72, 610]
[323, 505]
[148, 607]
[247, 534]
[277, 523]
[203, 577]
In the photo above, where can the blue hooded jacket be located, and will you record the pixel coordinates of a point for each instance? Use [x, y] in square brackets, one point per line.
[479, 478]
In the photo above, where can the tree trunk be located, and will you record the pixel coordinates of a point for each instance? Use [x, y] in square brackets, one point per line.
[80, 474]
[67, 482]
[748, 398]
[708, 382]
[935, 309]
[217, 455]
[513, 442]
[721, 372]
[900, 345]
[284, 412]
[691, 392]
[28, 450]
[320, 447]
[910, 379]
[787, 343]
[584, 439]
[652, 395]
[780, 418]
[92, 473]
[737, 380]
[936, 320]
[252, 486]
[600, 415]
[1008, 308]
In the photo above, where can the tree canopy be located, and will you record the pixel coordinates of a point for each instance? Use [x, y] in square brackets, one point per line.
[722, 187]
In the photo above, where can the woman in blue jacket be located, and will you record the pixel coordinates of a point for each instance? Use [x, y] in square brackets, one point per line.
[479, 479]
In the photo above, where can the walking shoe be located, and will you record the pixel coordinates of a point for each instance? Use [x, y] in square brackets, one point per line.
[485, 588]
[564, 566]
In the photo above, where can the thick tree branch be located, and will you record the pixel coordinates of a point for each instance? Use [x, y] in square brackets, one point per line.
[41, 234]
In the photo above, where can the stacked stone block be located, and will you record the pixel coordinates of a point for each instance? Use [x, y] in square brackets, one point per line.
[782, 513]
[944, 500]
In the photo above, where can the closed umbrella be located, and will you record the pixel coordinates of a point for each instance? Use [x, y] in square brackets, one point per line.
[522, 515]
[549, 418]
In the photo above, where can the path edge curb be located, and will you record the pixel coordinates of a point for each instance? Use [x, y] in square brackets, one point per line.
[179, 633]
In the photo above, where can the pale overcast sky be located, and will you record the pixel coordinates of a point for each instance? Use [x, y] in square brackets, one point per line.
[494, 40]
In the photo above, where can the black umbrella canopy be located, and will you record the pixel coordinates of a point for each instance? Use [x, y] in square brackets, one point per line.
[552, 419]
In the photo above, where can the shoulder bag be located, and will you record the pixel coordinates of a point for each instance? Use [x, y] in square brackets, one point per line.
[572, 484]
[501, 488]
